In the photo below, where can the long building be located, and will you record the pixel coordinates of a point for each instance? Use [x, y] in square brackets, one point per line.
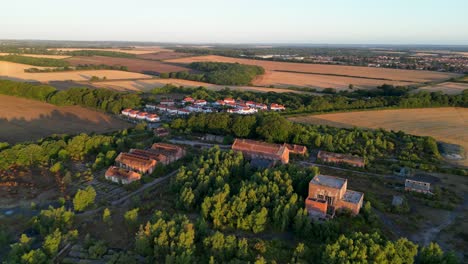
[120, 175]
[261, 150]
[134, 162]
[328, 194]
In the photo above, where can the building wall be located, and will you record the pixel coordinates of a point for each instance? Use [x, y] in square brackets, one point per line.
[354, 207]
[316, 190]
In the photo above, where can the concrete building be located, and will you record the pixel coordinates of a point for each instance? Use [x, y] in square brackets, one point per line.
[417, 186]
[327, 194]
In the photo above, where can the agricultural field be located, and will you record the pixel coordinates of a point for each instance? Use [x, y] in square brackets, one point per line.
[284, 74]
[445, 87]
[146, 85]
[58, 57]
[134, 65]
[25, 120]
[163, 55]
[448, 124]
[135, 50]
[15, 71]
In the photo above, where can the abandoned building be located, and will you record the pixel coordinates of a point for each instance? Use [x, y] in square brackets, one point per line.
[417, 186]
[327, 194]
[172, 152]
[261, 150]
[331, 157]
[120, 175]
[134, 162]
[161, 132]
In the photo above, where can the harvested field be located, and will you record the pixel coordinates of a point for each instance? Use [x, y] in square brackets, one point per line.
[448, 124]
[15, 71]
[145, 85]
[134, 65]
[275, 73]
[58, 57]
[445, 87]
[136, 50]
[163, 55]
[25, 120]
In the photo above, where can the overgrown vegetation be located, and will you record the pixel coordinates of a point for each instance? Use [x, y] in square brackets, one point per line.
[78, 68]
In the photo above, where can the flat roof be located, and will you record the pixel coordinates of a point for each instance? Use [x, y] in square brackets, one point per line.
[329, 181]
[352, 196]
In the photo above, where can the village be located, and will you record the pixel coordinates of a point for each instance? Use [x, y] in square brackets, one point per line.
[189, 105]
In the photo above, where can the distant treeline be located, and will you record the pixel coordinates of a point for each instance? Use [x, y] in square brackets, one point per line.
[101, 99]
[43, 62]
[79, 68]
[219, 73]
[106, 53]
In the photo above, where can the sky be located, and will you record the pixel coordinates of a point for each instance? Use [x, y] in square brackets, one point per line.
[438, 22]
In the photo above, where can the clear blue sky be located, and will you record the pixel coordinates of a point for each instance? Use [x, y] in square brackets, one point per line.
[239, 21]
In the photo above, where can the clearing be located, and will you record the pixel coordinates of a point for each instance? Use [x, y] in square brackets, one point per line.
[326, 76]
[134, 65]
[446, 87]
[26, 120]
[15, 71]
[447, 124]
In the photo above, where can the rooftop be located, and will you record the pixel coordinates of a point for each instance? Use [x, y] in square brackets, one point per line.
[352, 196]
[257, 146]
[329, 181]
[122, 173]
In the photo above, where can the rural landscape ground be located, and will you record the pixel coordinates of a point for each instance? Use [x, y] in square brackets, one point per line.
[62, 127]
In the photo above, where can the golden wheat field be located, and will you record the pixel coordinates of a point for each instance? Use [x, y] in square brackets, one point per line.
[448, 124]
[445, 87]
[145, 85]
[136, 50]
[15, 71]
[315, 74]
[24, 120]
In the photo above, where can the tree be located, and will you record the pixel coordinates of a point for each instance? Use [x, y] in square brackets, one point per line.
[131, 217]
[52, 243]
[433, 254]
[106, 216]
[84, 198]
[274, 128]
[34, 257]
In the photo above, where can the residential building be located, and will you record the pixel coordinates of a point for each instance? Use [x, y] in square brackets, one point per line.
[141, 115]
[418, 186]
[229, 101]
[167, 102]
[327, 194]
[243, 111]
[120, 175]
[188, 100]
[150, 107]
[133, 113]
[152, 118]
[200, 102]
[331, 157]
[277, 107]
[126, 112]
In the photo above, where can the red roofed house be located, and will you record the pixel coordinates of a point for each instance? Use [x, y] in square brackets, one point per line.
[328, 194]
[332, 157]
[167, 102]
[261, 150]
[277, 107]
[152, 118]
[229, 101]
[188, 100]
[133, 113]
[126, 112]
[120, 175]
[200, 102]
[138, 163]
[141, 116]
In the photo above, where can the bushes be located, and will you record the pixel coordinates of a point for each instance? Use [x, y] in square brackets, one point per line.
[26, 90]
[43, 62]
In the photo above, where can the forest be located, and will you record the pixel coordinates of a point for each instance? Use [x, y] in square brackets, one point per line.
[79, 68]
[219, 73]
[106, 53]
[43, 62]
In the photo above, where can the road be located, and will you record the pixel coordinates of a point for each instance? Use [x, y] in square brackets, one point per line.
[308, 163]
[194, 143]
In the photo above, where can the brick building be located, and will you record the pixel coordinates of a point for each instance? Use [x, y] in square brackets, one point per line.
[261, 150]
[120, 175]
[328, 194]
[332, 157]
[172, 152]
[137, 163]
